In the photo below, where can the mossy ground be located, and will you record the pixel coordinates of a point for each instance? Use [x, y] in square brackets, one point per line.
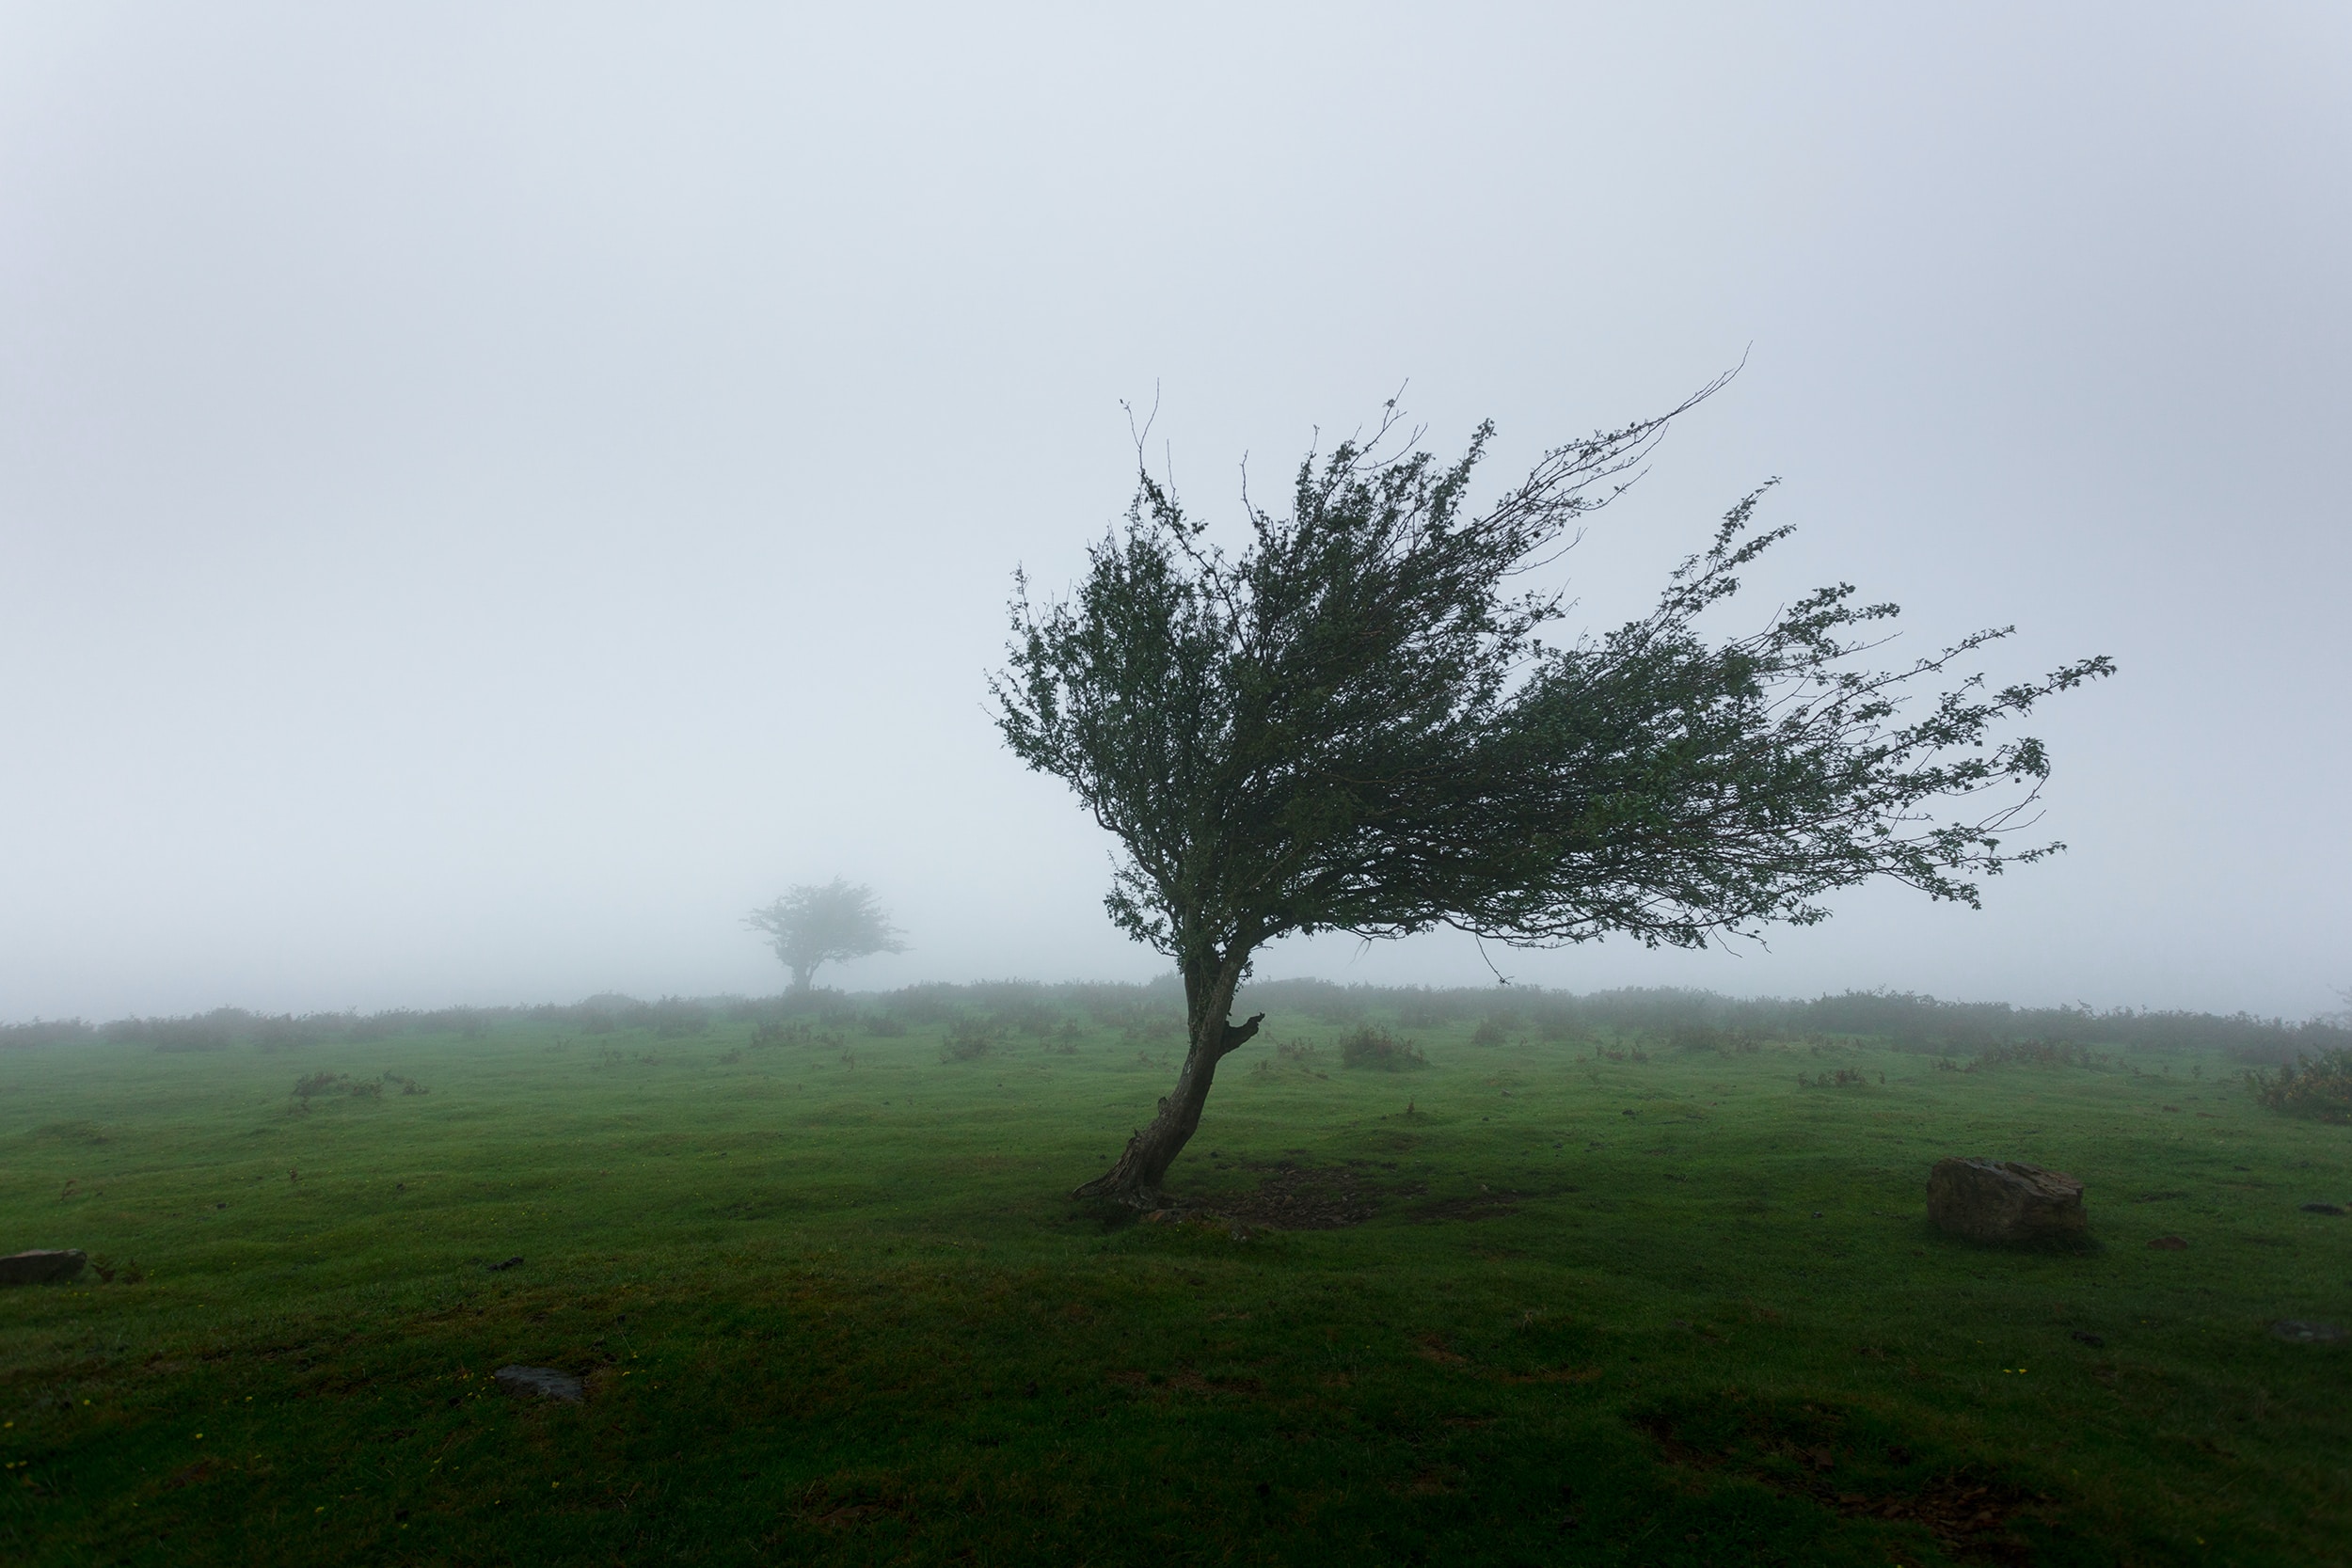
[833, 1307]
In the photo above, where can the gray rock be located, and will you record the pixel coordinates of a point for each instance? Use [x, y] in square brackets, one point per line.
[546, 1382]
[2301, 1333]
[2003, 1200]
[40, 1268]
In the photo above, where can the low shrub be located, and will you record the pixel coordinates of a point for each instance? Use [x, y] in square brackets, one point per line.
[674, 1018]
[2040, 1054]
[1375, 1046]
[307, 1090]
[968, 1040]
[2316, 1086]
[60, 1031]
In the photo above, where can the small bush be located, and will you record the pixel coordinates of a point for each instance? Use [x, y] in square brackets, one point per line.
[307, 1090]
[887, 1026]
[1375, 1046]
[2316, 1086]
[2038, 1053]
[1495, 1030]
[1296, 1050]
[1844, 1078]
[40, 1032]
[968, 1040]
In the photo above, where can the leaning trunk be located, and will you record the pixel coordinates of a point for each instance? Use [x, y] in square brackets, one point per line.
[1136, 1179]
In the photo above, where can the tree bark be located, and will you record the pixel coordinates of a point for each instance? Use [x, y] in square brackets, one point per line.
[1135, 1180]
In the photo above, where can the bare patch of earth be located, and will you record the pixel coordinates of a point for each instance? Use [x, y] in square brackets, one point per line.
[1969, 1514]
[1291, 1196]
[1481, 1205]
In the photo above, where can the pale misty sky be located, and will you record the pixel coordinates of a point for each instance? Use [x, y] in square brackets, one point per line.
[490, 494]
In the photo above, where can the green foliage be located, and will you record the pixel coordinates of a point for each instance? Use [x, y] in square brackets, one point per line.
[1371, 1046]
[2040, 1054]
[968, 1040]
[1689, 1020]
[308, 1088]
[819, 924]
[1355, 724]
[2319, 1087]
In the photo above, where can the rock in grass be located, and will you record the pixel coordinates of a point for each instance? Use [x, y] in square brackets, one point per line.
[2298, 1332]
[546, 1382]
[2167, 1243]
[2002, 1200]
[2323, 1208]
[41, 1267]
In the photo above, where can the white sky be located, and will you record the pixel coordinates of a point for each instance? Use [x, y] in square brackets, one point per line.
[489, 494]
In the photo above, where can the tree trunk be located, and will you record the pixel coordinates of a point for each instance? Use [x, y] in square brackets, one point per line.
[1136, 1179]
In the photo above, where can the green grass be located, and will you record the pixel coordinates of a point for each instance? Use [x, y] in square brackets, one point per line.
[1675, 1310]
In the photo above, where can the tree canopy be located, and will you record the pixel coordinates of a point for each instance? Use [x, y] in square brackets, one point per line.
[1354, 722]
[819, 924]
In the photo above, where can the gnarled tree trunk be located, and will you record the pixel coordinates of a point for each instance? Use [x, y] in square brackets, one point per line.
[1136, 1179]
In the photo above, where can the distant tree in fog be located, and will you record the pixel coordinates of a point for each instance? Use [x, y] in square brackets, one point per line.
[816, 925]
[1353, 725]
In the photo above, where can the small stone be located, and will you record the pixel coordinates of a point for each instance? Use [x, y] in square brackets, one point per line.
[546, 1382]
[41, 1267]
[2167, 1243]
[2297, 1331]
[2003, 1200]
[2085, 1337]
[2323, 1209]
[512, 1263]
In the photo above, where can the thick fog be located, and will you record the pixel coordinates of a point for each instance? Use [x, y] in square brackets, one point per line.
[489, 495]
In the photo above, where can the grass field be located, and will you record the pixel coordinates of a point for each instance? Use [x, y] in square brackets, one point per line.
[1596, 1302]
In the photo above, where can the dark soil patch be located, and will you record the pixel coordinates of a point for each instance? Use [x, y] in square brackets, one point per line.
[1311, 1197]
[1807, 1452]
[1477, 1206]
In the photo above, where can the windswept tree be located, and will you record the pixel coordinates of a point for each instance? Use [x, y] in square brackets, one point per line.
[816, 925]
[1353, 723]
